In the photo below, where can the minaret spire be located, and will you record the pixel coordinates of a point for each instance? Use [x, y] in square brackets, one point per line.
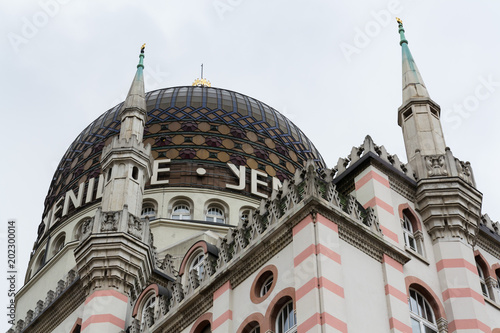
[419, 115]
[134, 106]
[413, 85]
[117, 257]
[126, 161]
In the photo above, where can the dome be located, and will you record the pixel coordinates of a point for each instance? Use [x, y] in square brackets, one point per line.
[193, 127]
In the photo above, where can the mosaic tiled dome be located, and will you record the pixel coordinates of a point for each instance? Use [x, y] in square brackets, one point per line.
[195, 127]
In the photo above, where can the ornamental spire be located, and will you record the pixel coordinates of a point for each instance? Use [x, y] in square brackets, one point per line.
[136, 95]
[201, 82]
[413, 84]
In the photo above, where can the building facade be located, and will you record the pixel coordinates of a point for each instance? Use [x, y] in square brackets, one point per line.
[197, 209]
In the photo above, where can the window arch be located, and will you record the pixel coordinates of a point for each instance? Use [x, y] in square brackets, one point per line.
[197, 263]
[412, 229]
[148, 210]
[431, 297]
[256, 329]
[40, 261]
[482, 280]
[181, 211]
[485, 276]
[215, 213]
[58, 243]
[276, 306]
[254, 323]
[286, 320]
[421, 314]
[203, 324]
[147, 311]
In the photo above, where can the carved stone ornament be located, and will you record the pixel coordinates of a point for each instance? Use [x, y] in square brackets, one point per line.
[436, 165]
[135, 226]
[86, 228]
[464, 171]
[109, 221]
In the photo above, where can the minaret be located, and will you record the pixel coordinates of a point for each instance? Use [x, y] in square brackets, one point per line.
[116, 256]
[126, 161]
[419, 116]
[447, 200]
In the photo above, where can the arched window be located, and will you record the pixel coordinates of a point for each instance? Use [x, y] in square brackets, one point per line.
[197, 264]
[412, 235]
[255, 330]
[135, 173]
[58, 244]
[421, 314]
[148, 210]
[40, 262]
[408, 233]
[148, 311]
[181, 211]
[206, 329]
[286, 321]
[215, 214]
[482, 280]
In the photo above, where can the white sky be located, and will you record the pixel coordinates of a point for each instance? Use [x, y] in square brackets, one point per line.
[80, 59]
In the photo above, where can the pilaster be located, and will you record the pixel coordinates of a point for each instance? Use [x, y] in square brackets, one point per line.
[396, 296]
[373, 190]
[320, 302]
[221, 311]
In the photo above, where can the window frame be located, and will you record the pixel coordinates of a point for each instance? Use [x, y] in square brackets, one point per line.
[482, 281]
[150, 302]
[286, 310]
[210, 217]
[59, 243]
[181, 215]
[421, 318]
[266, 286]
[411, 231]
[196, 263]
[148, 205]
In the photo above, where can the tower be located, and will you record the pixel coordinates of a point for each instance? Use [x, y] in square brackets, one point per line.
[446, 197]
[116, 256]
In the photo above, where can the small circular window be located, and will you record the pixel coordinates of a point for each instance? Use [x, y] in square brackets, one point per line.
[264, 284]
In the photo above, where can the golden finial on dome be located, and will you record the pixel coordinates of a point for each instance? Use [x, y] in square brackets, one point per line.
[201, 82]
[399, 20]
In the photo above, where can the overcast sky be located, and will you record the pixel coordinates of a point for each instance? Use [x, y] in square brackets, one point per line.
[332, 67]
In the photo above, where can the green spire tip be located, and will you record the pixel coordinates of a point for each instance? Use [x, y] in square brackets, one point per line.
[141, 57]
[401, 32]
